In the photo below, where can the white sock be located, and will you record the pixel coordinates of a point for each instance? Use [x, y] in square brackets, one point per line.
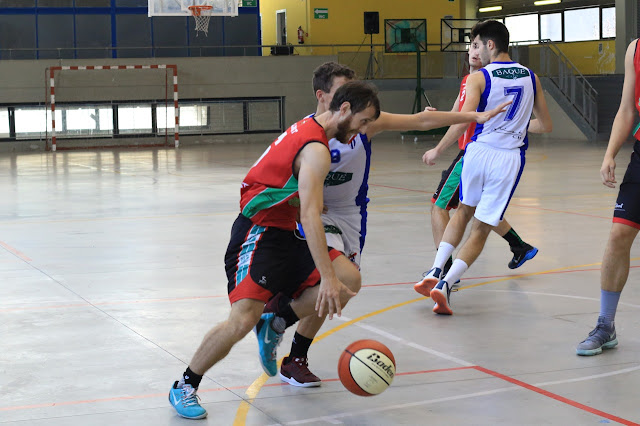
[444, 252]
[458, 268]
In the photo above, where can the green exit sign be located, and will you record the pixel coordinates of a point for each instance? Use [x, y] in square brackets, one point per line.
[321, 13]
[249, 3]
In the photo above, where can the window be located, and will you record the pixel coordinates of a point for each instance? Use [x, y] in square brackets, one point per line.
[551, 26]
[134, 119]
[608, 22]
[190, 116]
[582, 24]
[89, 120]
[35, 122]
[522, 28]
[4, 123]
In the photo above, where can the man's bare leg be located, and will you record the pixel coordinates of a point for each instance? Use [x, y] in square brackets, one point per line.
[468, 254]
[219, 340]
[439, 222]
[613, 277]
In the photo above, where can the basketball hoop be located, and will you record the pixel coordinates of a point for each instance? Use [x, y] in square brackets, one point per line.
[202, 15]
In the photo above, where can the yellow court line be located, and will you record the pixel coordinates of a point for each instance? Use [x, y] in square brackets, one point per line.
[256, 386]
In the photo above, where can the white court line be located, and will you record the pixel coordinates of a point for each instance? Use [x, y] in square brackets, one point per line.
[333, 419]
[398, 339]
[536, 293]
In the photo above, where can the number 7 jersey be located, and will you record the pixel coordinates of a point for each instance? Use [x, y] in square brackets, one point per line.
[506, 81]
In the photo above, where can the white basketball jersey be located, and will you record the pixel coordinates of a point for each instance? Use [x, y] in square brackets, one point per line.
[346, 183]
[506, 81]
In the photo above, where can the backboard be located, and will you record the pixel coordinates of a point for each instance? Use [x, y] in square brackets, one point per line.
[181, 7]
[455, 33]
[405, 35]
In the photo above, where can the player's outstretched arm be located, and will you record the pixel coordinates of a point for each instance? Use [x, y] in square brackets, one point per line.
[624, 120]
[453, 134]
[427, 120]
[451, 137]
[542, 123]
[314, 160]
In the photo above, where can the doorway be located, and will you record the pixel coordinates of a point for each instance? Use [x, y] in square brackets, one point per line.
[281, 27]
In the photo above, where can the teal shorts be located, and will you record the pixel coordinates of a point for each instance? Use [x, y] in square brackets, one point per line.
[447, 195]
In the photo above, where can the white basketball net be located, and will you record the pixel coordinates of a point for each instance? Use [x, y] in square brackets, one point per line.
[202, 15]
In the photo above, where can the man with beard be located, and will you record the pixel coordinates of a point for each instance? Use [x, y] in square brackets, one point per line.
[264, 256]
[345, 200]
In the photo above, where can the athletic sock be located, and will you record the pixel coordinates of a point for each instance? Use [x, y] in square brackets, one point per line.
[444, 252]
[609, 304]
[286, 313]
[447, 265]
[299, 346]
[513, 238]
[190, 378]
[458, 268]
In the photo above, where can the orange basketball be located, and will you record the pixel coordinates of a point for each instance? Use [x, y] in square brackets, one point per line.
[366, 367]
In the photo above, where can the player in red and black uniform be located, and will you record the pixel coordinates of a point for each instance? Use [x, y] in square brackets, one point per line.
[447, 194]
[626, 215]
[264, 256]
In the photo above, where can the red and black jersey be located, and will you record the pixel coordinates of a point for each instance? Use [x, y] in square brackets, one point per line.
[466, 137]
[636, 65]
[269, 193]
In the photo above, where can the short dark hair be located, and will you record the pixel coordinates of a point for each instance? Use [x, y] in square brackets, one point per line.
[492, 30]
[323, 75]
[359, 94]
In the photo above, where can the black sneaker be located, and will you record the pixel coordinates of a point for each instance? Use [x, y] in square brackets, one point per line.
[522, 254]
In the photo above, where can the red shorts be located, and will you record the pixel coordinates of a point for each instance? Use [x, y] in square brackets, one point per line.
[262, 261]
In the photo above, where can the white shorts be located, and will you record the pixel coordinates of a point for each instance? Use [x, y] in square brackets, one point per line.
[488, 180]
[342, 231]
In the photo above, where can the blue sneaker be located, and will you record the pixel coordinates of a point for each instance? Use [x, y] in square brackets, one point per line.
[185, 401]
[521, 255]
[268, 341]
[601, 337]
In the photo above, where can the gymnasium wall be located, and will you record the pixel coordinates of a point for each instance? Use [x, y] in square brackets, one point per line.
[592, 57]
[345, 23]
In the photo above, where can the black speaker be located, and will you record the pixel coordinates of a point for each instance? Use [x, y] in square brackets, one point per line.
[371, 23]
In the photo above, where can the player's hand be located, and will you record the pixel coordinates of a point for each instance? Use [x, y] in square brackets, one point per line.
[325, 209]
[429, 158]
[608, 172]
[427, 109]
[483, 117]
[328, 302]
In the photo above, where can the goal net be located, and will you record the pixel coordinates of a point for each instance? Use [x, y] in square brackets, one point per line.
[93, 106]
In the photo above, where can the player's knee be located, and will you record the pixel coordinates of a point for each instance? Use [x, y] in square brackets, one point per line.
[354, 281]
[621, 237]
[241, 327]
[243, 318]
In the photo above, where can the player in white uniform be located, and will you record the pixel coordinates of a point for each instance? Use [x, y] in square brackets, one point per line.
[345, 198]
[495, 158]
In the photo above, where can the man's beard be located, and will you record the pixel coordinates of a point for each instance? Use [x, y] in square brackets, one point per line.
[343, 132]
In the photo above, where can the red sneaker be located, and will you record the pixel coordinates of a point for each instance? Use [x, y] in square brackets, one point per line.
[295, 371]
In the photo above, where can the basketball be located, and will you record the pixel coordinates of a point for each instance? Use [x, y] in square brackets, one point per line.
[366, 367]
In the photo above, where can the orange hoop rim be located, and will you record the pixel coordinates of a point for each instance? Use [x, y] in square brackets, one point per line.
[197, 10]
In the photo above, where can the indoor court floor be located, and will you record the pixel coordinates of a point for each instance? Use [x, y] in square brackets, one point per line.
[111, 263]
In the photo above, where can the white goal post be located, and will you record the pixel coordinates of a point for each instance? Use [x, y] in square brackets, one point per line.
[52, 91]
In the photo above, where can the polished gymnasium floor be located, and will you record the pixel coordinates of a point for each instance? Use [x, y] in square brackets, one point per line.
[111, 271]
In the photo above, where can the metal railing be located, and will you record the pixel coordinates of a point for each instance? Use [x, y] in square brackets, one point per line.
[547, 60]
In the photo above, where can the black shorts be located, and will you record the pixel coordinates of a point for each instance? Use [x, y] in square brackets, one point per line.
[447, 196]
[627, 208]
[262, 261]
